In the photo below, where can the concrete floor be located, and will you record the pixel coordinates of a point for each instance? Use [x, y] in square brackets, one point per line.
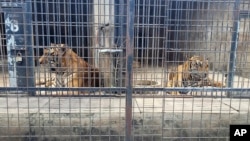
[23, 105]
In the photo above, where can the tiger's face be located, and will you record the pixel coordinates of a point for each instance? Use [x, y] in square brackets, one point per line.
[51, 55]
[198, 63]
[198, 67]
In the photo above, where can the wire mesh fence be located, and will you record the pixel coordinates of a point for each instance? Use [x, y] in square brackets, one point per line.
[123, 70]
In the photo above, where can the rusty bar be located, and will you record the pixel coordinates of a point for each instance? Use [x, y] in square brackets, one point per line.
[129, 64]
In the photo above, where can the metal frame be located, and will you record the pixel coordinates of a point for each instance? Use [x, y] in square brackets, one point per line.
[29, 80]
[129, 63]
[127, 30]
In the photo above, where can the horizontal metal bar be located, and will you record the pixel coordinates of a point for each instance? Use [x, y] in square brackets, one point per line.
[110, 50]
[123, 89]
[61, 89]
[14, 94]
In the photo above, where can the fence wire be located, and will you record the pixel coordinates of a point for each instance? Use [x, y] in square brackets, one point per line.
[123, 70]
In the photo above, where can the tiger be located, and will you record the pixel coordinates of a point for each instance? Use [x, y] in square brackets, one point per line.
[70, 69]
[194, 73]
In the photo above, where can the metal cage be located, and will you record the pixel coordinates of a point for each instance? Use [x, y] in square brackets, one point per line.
[123, 70]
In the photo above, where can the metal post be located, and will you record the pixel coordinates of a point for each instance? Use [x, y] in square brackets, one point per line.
[129, 64]
[28, 42]
[119, 38]
[234, 43]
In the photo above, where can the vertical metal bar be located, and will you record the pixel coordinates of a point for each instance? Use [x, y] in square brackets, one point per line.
[129, 62]
[231, 69]
[29, 46]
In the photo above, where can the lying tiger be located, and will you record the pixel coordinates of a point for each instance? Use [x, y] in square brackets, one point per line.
[194, 73]
[70, 69]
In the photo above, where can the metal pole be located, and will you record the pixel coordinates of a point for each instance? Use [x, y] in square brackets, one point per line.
[234, 43]
[29, 46]
[129, 62]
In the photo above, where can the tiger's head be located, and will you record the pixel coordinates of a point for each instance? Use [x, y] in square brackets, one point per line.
[51, 55]
[198, 67]
[198, 63]
[51, 52]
